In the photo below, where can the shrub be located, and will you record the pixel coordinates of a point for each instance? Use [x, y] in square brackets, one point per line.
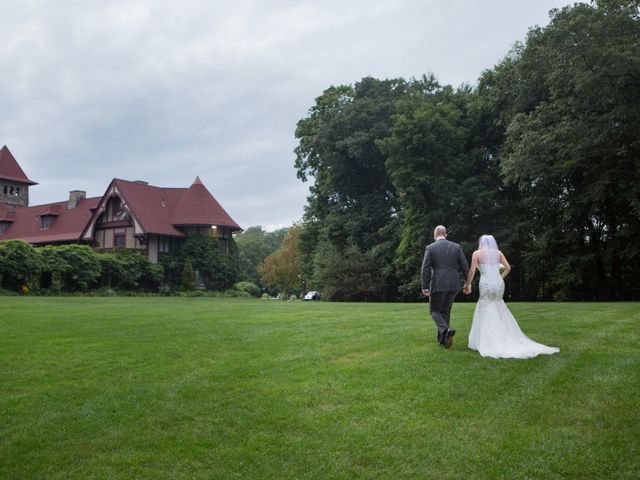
[236, 294]
[135, 271]
[84, 267]
[20, 264]
[54, 267]
[188, 283]
[249, 287]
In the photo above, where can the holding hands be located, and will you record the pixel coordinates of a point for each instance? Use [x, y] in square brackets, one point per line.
[467, 288]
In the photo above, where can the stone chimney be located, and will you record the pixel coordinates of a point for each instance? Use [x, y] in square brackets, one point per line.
[74, 198]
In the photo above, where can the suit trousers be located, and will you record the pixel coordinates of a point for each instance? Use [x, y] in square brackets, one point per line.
[440, 309]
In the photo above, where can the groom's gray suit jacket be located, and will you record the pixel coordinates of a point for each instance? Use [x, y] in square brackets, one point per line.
[441, 266]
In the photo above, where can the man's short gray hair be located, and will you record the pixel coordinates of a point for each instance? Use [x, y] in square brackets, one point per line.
[440, 230]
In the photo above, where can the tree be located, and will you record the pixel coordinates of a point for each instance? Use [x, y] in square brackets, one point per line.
[188, 283]
[345, 275]
[571, 147]
[426, 163]
[281, 269]
[254, 245]
[352, 199]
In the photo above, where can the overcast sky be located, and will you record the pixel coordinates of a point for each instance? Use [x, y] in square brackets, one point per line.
[164, 91]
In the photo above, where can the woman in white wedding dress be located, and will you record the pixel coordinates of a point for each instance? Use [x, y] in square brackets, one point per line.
[494, 331]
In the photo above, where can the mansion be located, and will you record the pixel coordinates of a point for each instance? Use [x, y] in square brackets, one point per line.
[130, 214]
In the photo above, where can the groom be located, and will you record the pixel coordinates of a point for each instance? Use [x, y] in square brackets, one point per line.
[441, 267]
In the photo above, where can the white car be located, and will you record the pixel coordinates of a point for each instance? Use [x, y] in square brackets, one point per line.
[312, 295]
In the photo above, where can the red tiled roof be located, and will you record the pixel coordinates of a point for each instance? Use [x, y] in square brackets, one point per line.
[7, 214]
[9, 168]
[151, 206]
[67, 226]
[198, 207]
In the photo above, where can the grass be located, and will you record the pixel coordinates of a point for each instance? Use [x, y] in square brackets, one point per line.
[196, 388]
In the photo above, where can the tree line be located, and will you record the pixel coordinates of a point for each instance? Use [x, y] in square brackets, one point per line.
[543, 153]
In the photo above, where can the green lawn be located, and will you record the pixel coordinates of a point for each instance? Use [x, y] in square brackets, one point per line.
[195, 388]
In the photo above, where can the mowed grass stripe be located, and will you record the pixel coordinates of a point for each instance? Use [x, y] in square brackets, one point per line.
[231, 388]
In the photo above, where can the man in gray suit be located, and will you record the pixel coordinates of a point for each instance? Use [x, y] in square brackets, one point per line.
[441, 267]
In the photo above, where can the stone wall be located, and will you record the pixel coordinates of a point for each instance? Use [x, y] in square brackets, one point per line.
[14, 194]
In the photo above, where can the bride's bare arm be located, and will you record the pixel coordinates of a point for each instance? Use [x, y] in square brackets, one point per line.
[472, 269]
[507, 267]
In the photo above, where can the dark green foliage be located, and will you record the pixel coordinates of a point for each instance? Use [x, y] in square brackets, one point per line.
[73, 268]
[251, 288]
[83, 267]
[572, 147]
[188, 283]
[345, 275]
[426, 163]
[136, 272]
[54, 268]
[213, 270]
[127, 269]
[353, 199]
[543, 154]
[20, 264]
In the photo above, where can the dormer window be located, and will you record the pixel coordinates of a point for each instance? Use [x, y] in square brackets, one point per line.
[46, 221]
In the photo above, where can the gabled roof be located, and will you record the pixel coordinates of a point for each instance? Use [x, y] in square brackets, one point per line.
[150, 206]
[67, 226]
[9, 168]
[198, 207]
[160, 210]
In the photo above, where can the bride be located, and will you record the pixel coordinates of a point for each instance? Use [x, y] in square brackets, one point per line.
[494, 331]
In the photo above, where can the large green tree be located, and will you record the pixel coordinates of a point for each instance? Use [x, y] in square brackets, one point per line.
[352, 200]
[572, 143]
[543, 154]
[426, 164]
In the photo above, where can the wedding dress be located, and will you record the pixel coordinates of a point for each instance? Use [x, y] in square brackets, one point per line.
[494, 331]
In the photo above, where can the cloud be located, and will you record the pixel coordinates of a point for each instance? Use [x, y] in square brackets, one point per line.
[165, 91]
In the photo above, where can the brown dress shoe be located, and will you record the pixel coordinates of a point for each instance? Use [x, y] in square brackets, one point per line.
[450, 333]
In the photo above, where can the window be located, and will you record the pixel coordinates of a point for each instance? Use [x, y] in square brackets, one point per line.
[17, 191]
[4, 226]
[46, 221]
[118, 240]
[10, 190]
[164, 244]
[224, 246]
[5, 189]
